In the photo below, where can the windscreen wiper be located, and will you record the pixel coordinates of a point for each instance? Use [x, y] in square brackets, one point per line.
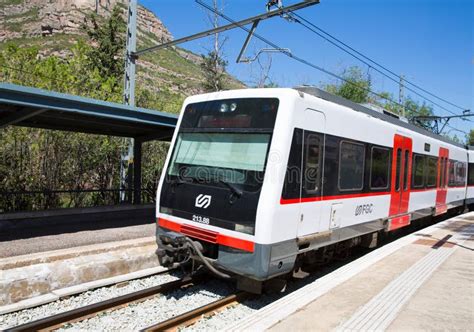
[235, 191]
[238, 192]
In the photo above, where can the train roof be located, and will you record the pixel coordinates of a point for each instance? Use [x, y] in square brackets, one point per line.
[388, 118]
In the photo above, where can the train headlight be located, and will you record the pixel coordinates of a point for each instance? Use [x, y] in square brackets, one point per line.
[228, 108]
[224, 108]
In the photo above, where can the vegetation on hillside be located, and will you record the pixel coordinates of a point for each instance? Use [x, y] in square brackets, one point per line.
[110, 43]
[213, 67]
[37, 160]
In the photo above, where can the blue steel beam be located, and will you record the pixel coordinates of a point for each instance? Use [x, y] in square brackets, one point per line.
[19, 116]
[16, 95]
[67, 112]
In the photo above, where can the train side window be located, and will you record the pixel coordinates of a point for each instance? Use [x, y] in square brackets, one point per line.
[445, 170]
[351, 166]
[379, 168]
[452, 178]
[292, 184]
[418, 171]
[442, 172]
[431, 172]
[460, 173]
[312, 163]
[470, 180]
[398, 169]
[405, 170]
[464, 170]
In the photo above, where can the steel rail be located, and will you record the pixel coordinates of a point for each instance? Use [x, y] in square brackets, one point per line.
[55, 321]
[193, 315]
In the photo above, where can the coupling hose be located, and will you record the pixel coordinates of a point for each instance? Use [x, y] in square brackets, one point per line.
[205, 261]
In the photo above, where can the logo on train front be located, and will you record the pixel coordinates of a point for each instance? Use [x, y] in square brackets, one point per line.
[203, 201]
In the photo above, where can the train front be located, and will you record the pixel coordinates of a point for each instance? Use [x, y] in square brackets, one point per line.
[211, 184]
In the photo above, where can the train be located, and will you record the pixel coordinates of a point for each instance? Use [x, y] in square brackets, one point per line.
[258, 183]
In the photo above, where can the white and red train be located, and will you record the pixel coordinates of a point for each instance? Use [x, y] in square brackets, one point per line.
[259, 181]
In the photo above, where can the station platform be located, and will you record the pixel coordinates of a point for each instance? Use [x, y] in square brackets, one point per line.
[41, 269]
[423, 281]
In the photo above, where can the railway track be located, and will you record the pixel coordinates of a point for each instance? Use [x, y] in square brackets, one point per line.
[79, 314]
[174, 323]
[188, 318]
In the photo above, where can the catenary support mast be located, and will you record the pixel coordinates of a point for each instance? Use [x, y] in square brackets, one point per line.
[128, 158]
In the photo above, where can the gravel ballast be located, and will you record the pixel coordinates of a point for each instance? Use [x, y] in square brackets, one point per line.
[80, 300]
[157, 309]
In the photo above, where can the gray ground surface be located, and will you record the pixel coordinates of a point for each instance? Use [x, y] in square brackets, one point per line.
[68, 240]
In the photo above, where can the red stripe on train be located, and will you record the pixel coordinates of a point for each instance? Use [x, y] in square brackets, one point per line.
[399, 222]
[207, 235]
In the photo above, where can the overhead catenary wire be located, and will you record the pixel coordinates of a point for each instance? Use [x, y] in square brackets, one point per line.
[297, 20]
[337, 42]
[457, 129]
[303, 61]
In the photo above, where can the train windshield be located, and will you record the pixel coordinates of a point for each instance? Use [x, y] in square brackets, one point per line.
[225, 141]
[213, 157]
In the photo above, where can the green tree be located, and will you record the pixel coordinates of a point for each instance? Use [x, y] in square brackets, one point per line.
[46, 160]
[37, 159]
[109, 40]
[213, 64]
[470, 137]
[355, 88]
[414, 108]
[213, 67]
[454, 138]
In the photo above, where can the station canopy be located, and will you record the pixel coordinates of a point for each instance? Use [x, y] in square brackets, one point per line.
[30, 107]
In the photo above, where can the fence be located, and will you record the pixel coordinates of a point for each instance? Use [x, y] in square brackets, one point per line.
[16, 201]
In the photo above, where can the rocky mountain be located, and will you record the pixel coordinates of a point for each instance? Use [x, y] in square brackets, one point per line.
[40, 18]
[55, 25]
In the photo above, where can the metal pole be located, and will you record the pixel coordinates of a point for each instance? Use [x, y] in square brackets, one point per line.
[126, 169]
[137, 173]
[400, 96]
[247, 40]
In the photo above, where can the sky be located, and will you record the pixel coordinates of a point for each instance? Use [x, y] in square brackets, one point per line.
[430, 42]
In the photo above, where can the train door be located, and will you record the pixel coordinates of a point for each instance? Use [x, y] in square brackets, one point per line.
[312, 164]
[401, 182]
[442, 182]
